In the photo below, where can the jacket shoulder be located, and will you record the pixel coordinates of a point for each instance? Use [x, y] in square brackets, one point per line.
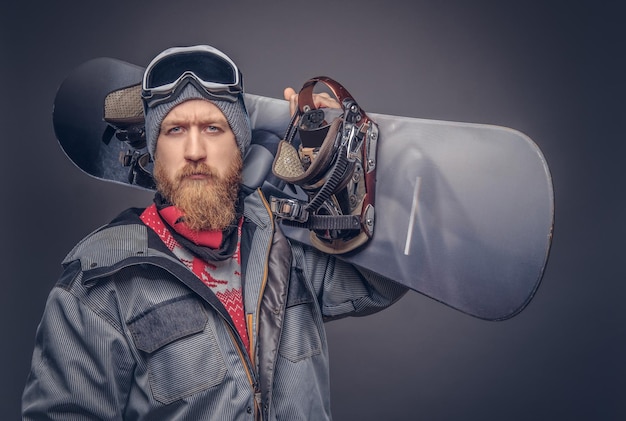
[126, 236]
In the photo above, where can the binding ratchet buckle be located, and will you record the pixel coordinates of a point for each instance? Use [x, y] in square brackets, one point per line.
[290, 209]
[334, 164]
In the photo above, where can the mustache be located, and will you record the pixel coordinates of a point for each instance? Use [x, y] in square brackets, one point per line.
[196, 169]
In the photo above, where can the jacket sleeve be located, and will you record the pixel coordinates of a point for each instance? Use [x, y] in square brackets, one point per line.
[81, 365]
[343, 289]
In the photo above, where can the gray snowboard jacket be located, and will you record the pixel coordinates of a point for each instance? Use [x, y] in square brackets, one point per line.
[129, 333]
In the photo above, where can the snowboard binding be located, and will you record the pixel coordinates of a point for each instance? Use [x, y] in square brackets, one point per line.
[334, 165]
[123, 112]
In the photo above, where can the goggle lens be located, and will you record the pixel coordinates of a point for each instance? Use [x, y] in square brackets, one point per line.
[207, 67]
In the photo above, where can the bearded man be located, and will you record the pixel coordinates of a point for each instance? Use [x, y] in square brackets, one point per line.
[197, 307]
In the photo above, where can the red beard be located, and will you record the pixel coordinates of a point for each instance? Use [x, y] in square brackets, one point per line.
[207, 203]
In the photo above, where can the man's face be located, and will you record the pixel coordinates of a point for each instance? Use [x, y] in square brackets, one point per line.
[198, 164]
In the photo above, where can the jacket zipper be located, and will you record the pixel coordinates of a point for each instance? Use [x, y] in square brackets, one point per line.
[254, 334]
[250, 366]
[249, 373]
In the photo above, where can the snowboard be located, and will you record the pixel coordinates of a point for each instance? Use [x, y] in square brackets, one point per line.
[464, 212]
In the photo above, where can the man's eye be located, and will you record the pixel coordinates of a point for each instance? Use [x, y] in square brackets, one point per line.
[176, 129]
[212, 129]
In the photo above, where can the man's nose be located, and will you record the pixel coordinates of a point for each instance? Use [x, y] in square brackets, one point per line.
[195, 149]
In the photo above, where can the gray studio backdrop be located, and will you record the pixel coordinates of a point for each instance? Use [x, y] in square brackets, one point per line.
[553, 70]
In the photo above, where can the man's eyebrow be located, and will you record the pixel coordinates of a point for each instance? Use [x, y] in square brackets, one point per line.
[213, 119]
[210, 119]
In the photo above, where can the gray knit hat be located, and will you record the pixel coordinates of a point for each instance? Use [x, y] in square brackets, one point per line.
[235, 113]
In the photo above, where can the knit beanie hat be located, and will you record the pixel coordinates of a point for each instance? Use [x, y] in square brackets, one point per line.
[235, 113]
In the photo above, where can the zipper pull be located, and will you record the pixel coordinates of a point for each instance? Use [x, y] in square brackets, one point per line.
[259, 413]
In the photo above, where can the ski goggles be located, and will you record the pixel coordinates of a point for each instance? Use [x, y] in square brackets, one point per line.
[210, 70]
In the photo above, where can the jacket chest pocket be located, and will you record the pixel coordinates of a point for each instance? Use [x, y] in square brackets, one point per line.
[301, 334]
[181, 351]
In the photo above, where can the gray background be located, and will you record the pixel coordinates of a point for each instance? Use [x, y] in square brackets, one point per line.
[553, 70]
